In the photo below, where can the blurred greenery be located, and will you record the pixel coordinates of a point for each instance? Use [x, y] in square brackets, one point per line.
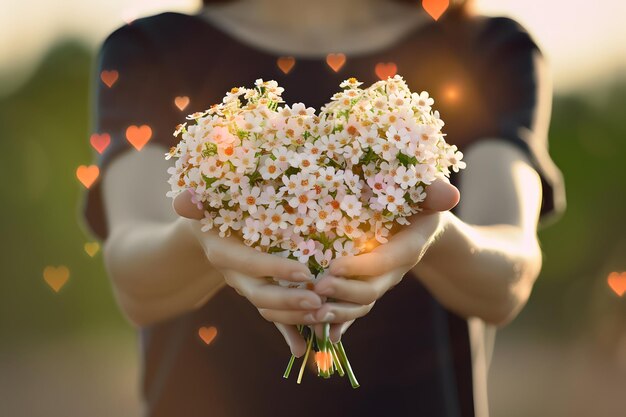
[45, 126]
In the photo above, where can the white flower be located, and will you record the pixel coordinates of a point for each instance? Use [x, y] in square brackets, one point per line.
[405, 177]
[417, 195]
[228, 220]
[344, 249]
[303, 200]
[349, 228]
[270, 169]
[306, 249]
[252, 230]
[301, 222]
[207, 221]
[350, 83]
[249, 199]
[422, 101]
[399, 137]
[351, 205]
[305, 162]
[330, 145]
[283, 156]
[391, 198]
[324, 258]
[277, 218]
[386, 149]
[243, 159]
[454, 158]
[353, 153]
[270, 197]
[236, 181]
[302, 110]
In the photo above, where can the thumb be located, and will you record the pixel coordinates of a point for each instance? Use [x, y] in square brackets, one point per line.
[184, 206]
[440, 196]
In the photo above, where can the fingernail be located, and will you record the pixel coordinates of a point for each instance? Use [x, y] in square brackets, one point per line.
[339, 272]
[300, 276]
[309, 305]
[309, 318]
[325, 291]
[328, 317]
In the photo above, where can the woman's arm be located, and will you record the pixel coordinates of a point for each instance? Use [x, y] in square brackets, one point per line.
[484, 262]
[163, 265]
[157, 266]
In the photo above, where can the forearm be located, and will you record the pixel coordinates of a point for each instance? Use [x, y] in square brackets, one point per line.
[158, 270]
[483, 271]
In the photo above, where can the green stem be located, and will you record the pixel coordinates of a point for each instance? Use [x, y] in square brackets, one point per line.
[336, 360]
[288, 370]
[342, 354]
[306, 356]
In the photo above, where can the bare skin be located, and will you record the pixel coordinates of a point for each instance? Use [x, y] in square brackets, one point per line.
[161, 265]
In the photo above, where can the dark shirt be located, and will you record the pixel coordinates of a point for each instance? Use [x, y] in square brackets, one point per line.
[411, 356]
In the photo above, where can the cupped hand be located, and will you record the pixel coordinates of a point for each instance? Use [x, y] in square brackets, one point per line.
[247, 270]
[353, 284]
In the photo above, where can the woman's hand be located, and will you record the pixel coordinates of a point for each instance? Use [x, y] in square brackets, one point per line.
[247, 270]
[354, 283]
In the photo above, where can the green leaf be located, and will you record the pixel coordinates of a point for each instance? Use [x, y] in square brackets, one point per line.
[406, 160]
[208, 180]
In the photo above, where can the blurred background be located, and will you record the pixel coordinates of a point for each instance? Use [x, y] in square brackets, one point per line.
[565, 354]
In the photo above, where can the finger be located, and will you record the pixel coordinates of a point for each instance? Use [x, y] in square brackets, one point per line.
[231, 253]
[272, 296]
[185, 207]
[402, 250]
[319, 330]
[440, 196]
[337, 330]
[294, 339]
[357, 291]
[288, 316]
[339, 312]
[367, 264]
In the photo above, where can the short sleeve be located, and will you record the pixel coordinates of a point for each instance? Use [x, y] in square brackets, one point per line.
[134, 95]
[516, 91]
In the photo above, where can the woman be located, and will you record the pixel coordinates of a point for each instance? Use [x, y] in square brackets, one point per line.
[421, 348]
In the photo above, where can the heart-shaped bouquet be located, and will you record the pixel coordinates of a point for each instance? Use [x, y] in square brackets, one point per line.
[313, 187]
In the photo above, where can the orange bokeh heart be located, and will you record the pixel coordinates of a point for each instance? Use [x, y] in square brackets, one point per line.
[207, 334]
[286, 63]
[435, 8]
[138, 136]
[87, 175]
[100, 141]
[386, 69]
[335, 61]
[91, 248]
[109, 77]
[617, 282]
[56, 277]
[181, 102]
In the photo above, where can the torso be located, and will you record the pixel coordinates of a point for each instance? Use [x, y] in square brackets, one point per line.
[420, 366]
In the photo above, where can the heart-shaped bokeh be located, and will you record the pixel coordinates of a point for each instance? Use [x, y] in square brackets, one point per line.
[207, 334]
[87, 175]
[617, 282]
[56, 276]
[138, 136]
